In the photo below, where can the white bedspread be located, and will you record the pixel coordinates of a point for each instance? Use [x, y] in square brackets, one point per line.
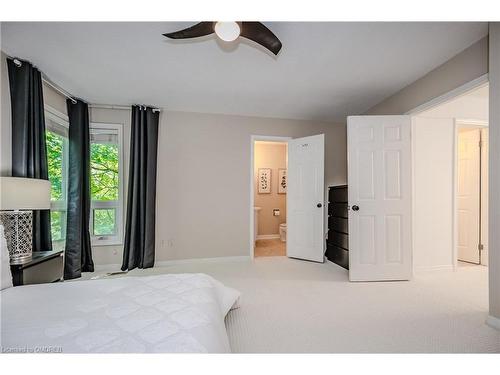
[166, 313]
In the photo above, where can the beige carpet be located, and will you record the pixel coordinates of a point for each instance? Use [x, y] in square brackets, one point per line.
[295, 306]
[269, 248]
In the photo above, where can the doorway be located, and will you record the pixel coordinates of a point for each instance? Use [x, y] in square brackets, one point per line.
[301, 183]
[270, 168]
[471, 193]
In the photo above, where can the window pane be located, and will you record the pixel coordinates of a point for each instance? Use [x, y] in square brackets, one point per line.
[57, 225]
[55, 145]
[104, 171]
[104, 222]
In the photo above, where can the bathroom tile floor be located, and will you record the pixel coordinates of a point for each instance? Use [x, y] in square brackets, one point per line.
[270, 248]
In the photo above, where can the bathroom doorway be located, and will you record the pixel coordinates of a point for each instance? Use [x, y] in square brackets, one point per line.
[269, 196]
[471, 193]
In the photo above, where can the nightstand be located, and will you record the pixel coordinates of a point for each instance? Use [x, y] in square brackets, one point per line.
[43, 267]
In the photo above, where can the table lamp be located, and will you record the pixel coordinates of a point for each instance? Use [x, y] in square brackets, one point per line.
[18, 197]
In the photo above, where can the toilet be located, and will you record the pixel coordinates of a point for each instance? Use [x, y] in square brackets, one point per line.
[283, 232]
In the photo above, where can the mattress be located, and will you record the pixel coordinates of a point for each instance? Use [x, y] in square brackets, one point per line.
[155, 314]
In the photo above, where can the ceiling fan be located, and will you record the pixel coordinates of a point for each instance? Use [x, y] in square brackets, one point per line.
[230, 31]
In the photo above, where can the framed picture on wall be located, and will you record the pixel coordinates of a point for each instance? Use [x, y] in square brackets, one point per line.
[282, 181]
[264, 180]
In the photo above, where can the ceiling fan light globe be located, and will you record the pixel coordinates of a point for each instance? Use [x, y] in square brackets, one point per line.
[227, 31]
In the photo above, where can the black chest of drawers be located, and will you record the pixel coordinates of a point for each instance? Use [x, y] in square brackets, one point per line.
[337, 242]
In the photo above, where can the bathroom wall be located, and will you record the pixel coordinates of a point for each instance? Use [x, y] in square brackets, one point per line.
[270, 155]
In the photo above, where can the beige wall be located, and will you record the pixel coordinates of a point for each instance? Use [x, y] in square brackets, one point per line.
[270, 155]
[203, 199]
[494, 174]
[432, 193]
[461, 69]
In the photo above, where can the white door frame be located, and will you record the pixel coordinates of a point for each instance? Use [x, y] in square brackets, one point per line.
[450, 95]
[460, 123]
[253, 138]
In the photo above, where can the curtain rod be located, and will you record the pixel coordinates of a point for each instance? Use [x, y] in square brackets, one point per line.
[47, 80]
[121, 107]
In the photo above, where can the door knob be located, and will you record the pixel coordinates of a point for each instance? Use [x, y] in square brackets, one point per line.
[319, 205]
[355, 208]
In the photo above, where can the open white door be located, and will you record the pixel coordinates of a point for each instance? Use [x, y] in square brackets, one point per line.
[469, 194]
[379, 194]
[305, 198]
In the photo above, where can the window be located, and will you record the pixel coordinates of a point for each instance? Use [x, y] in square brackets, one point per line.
[56, 137]
[106, 184]
[106, 181]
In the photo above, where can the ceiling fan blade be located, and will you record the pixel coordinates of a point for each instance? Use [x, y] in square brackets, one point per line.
[260, 34]
[195, 31]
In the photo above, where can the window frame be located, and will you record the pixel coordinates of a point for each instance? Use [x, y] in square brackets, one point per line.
[62, 128]
[117, 239]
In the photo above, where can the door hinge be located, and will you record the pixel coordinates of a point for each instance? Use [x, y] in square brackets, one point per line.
[481, 143]
[480, 246]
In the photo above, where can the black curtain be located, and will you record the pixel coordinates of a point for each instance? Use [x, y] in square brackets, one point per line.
[29, 152]
[78, 253]
[139, 248]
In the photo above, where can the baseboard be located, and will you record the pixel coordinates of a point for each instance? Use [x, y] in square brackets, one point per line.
[163, 263]
[107, 267]
[268, 236]
[493, 322]
[443, 267]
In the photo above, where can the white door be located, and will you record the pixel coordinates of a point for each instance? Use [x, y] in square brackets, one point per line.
[379, 194]
[305, 198]
[484, 195]
[468, 194]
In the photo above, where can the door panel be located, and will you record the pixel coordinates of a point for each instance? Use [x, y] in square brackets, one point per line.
[393, 174]
[379, 178]
[305, 191]
[468, 194]
[367, 239]
[393, 234]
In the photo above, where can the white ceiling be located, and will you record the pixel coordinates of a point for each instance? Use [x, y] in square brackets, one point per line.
[325, 71]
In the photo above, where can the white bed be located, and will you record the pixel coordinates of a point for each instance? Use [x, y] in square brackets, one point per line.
[165, 313]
